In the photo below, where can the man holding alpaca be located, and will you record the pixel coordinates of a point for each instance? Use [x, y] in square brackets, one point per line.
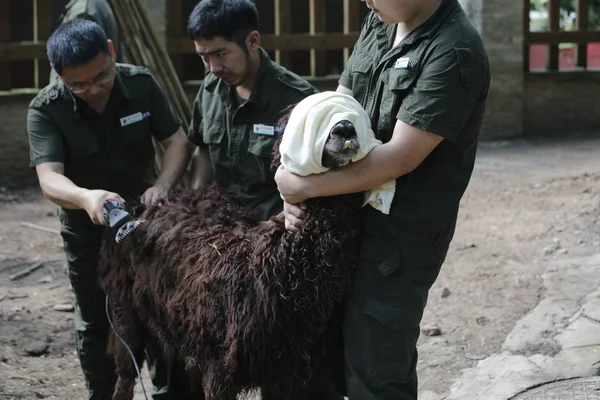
[98, 11]
[420, 70]
[236, 111]
[90, 136]
[239, 103]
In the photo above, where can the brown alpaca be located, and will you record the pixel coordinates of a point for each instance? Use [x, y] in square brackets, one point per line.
[245, 305]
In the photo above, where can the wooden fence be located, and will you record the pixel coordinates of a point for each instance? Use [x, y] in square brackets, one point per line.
[581, 36]
[24, 27]
[311, 37]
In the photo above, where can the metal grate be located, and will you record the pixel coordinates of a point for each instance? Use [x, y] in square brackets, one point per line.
[568, 389]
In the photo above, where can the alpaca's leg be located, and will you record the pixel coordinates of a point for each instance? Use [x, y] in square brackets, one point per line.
[195, 383]
[272, 394]
[125, 368]
[318, 388]
[217, 388]
[126, 372]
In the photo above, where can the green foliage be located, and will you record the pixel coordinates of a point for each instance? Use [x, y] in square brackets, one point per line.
[567, 10]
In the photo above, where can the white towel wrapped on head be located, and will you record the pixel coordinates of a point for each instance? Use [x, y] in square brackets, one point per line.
[307, 131]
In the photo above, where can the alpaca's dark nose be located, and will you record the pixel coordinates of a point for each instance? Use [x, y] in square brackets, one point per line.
[344, 129]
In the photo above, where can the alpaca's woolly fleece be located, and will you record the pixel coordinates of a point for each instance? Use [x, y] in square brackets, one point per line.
[308, 129]
[242, 304]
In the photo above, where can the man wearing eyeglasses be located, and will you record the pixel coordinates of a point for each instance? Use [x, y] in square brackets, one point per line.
[99, 11]
[90, 135]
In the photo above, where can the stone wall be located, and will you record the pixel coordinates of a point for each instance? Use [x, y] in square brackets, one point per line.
[562, 104]
[474, 10]
[554, 105]
[14, 145]
[502, 32]
[519, 105]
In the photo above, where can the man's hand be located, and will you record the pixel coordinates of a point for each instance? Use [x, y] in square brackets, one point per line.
[294, 189]
[294, 216]
[93, 204]
[154, 194]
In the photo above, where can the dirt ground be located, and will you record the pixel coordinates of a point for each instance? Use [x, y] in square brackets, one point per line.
[527, 203]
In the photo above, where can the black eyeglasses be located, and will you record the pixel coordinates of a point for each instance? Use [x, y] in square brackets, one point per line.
[100, 80]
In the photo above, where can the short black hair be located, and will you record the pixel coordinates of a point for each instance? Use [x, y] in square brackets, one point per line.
[230, 19]
[76, 43]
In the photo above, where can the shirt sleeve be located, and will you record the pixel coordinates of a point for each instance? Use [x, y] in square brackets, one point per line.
[45, 141]
[346, 75]
[445, 93]
[165, 121]
[195, 129]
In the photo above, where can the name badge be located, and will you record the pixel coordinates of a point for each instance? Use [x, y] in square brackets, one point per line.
[401, 63]
[261, 129]
[131, 119]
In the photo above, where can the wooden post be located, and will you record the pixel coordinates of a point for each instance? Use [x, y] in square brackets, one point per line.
[5, 75]
[318, 61]
[554, 17]
[351, 23]
[526, 30]
[43, 30]
[582, 10]
[175, 28]
[283, 24]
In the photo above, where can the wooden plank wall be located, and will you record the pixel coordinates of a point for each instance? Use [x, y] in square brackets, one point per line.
[5, 25]
[554, 17]
[309, 37]
[42, 31]
[351, 22]
[582, 10]
[22, 72]
[329, 22]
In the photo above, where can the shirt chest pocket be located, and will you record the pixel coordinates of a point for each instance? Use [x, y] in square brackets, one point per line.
[82, 142]
[361, 74]
[212, 136]
[260, 155]
[261, 145]
[397, 83]
[136, 134]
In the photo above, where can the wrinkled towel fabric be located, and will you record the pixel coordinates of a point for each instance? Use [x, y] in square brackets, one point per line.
[307, 131]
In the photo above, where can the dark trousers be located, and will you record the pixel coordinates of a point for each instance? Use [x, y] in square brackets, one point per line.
[381, 327]
[82, 247]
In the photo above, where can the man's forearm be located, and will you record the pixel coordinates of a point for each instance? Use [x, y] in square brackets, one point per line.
[201, 168]
[407, 149]
[62, 191]
[175, 159]
[377, 168]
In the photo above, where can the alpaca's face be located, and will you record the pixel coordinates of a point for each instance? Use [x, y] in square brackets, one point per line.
[341, 146]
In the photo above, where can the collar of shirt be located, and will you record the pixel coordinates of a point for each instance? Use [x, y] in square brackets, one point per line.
[385, 32]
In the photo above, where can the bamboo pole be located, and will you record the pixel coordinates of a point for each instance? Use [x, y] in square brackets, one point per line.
[141, 44]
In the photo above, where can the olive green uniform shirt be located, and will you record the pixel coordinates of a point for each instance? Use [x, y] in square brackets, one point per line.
[111, 151]
[98, 11]
[240, 138]
[436, 79]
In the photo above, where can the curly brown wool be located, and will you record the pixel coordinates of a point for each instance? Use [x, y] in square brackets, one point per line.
[245, 305]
